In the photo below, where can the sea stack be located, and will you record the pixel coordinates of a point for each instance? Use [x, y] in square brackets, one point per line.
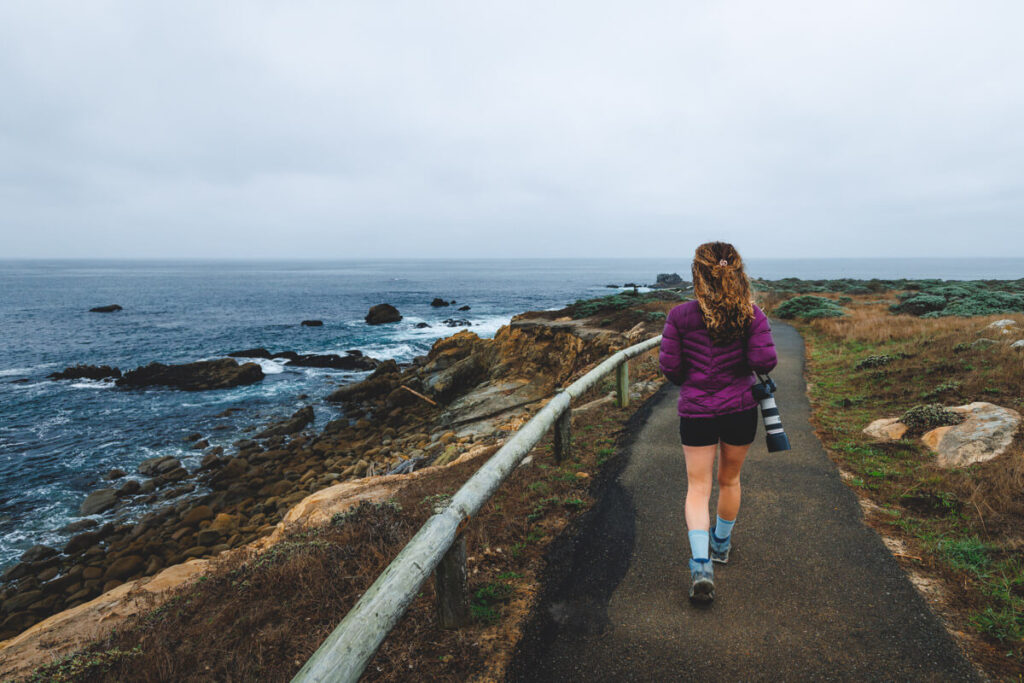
[383, 313]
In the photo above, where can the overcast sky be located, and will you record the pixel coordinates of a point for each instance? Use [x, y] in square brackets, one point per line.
[352, 129]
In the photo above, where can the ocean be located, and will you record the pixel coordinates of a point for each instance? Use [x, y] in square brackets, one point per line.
[58, 439]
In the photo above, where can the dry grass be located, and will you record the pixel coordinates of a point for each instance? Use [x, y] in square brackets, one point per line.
[966, 525]
[261, 617]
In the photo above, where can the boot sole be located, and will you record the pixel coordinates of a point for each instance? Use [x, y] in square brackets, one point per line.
[703, 590]
[724, 559]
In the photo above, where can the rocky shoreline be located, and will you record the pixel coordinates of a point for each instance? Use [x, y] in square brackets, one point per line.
[465, 392]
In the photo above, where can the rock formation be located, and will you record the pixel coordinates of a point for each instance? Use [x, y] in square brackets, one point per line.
[112, 308]
[202, 375]
[86, 372]
[382, 314]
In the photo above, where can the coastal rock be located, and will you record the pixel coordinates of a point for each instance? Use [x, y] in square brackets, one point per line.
[665, 280]
[86, 372]
[439, 302]
[251, 353]
[124, 567]
[464, 308]
[298, 421]
[98, 501]
[114, 474]
[380, 383]
[382, 314]
[312, 323]
[129, 488]
[152, 467]
[202, 375]
[37, 553]
[353, 361]
[986, 433]
[886, 429]
[112, 308]
[197, 514]
[456, 322]
[456, 379]
[422, 326]
[79, 525]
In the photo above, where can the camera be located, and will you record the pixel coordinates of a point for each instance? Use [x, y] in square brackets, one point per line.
[764, 393]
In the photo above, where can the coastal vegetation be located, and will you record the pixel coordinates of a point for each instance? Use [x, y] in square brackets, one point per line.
[957, 531]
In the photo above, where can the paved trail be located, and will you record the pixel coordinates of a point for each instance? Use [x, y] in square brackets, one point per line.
[810, 593]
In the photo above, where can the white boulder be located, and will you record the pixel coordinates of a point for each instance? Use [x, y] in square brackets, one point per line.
[986, 432]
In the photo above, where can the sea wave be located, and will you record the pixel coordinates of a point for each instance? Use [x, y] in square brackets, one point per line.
[93, 384]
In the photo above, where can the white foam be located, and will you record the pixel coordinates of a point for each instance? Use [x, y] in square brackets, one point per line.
[270, 366]
[93, 384]
[14, 371]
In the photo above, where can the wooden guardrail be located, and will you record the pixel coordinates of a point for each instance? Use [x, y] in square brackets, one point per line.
[440, 544]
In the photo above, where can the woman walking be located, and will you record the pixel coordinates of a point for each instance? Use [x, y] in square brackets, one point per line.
[712, 347]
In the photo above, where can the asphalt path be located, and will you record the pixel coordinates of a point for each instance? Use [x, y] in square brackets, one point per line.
[809, 593]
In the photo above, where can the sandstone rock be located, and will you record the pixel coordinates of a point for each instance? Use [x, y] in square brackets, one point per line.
[312, 323]
[124, 567]
[22, 600]
[460, 377]
[208, 537]
[382, 314]
[112, 308]
[986, 432]
[86, 372]
[200, 376]
[98, 501]
[886, 429]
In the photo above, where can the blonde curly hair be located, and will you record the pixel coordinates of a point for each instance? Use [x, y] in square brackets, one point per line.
[723, 291]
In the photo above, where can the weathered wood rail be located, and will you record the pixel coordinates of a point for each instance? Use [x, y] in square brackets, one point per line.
[439, 544]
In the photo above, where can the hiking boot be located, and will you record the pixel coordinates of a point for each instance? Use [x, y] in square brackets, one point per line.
[703, 575]
[719, 549]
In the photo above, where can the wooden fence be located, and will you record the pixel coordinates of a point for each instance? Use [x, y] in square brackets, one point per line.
[440, 545]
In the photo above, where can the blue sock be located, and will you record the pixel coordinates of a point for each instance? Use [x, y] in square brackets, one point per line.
[723, 529]
[699, 540]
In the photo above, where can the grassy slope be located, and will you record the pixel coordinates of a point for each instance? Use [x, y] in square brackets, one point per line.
[961, 529]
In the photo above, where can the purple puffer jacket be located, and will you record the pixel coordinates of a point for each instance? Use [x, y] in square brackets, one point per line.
[715, 380]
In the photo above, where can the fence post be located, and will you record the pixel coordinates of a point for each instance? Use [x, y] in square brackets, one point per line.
[450, 584]
[563, 434]
[622, 384]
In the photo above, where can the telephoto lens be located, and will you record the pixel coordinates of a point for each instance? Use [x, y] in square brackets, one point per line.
[764, 393]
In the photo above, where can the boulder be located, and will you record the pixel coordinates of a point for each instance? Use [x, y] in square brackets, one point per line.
[312, 323]
[82, 541]
[439, 302]
[1005, 326]
[129, 488]
[456, 379]
[114, 474]
[37, 553]
[886, 429]
[463, 308]
[297, 422]
[381, 314]
[112, 308]
[456, 322]
[197, 514]
[80, 525]
[1018, 345]
[379, 384]
[98, 501]
[355, 360]
[986, 433]
[422, 326]
[152, 467]
[124, 567]
[86, 372]
[202, 375]
[251, 353]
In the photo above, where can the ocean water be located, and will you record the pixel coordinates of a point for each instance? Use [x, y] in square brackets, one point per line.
[57, 439]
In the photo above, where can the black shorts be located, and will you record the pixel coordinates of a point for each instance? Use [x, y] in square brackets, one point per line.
[735, 429]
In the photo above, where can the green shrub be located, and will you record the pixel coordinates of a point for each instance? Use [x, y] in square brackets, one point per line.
[878, 361]
[808, 308]
[919, 304]
[654, 316]
[921, 418]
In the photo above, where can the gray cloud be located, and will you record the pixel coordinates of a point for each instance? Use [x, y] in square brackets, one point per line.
[433, 129]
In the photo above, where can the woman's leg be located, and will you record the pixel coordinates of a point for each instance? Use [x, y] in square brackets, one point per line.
[700, 462]
[729, 464]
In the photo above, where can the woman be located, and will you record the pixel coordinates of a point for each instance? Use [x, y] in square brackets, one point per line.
[711, 347]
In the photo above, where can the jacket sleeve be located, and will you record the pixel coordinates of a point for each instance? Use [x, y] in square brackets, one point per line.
[670, 355]
[760, 347]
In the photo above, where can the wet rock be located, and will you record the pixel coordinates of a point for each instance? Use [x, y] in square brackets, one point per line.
[18, 571]
[211, 460]
[80, 525]
[194, 436]
[114, 474]
[86, 372]
[197, 514]
[152, 467]
[37, 553]
[382, 314]
[112, 308]
[208, 537]
[200, 376]
[352, 361]
[422, 326]
[312, 323]
[453, 322]
[297, 422]
[290, 355]
[200, 445]
[124, 567]
[379, 384]
[438, 302]
[464, 308]
[129, 488]
[98, 501]
[22, 600]
[251, 353]
[82, 541]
